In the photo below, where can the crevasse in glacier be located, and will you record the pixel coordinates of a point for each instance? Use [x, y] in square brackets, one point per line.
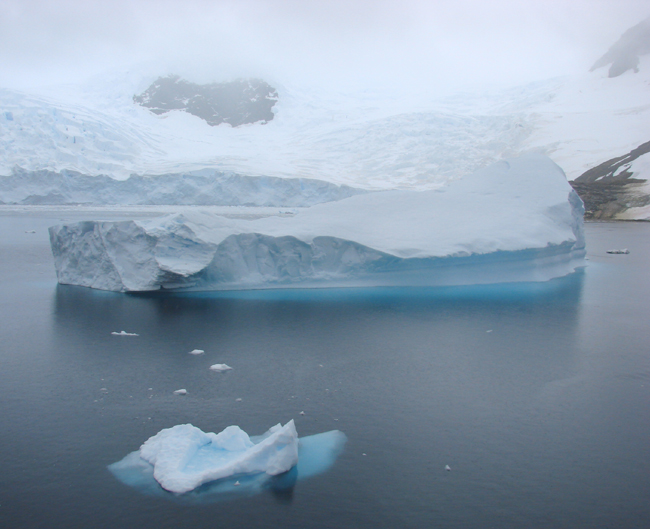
[516, 220]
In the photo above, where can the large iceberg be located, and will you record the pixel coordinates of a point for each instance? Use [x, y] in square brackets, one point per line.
[516, 220]
[202, 466]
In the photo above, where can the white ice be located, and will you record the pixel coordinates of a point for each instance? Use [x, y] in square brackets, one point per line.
[180, 392]
[196, 352]
[517, 220]
[124, 333]
[220, 367]
[184, 457]
[316, 454]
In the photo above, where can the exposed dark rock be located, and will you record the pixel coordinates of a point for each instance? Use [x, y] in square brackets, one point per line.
[236, 102]
[624, 54]
[609, 188]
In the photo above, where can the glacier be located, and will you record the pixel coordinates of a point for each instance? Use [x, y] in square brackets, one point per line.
[516, 220]
[201, 188]
[198, 466]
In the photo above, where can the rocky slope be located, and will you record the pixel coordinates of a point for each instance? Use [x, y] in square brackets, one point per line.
[611, 188]
[236, 102]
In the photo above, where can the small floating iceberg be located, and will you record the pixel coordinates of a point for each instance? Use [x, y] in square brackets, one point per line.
[196, 352]
[205, 467]
[220, 367]
[124, 333]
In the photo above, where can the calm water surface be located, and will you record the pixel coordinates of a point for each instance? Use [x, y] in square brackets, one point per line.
[536, 395]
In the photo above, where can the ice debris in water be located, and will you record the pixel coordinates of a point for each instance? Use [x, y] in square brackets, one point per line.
[124, 333]
[220, 367]
[180, 392]
[447, 468]
[196, 352]
[206, 467]
[184, 457]
[623, 251]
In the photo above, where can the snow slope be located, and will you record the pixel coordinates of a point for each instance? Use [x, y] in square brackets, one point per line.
[365, 139]
[517, 220]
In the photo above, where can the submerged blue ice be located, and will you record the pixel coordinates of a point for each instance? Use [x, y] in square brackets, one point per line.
[316, 454]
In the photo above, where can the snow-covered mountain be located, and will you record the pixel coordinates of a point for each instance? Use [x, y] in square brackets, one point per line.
[363, 140]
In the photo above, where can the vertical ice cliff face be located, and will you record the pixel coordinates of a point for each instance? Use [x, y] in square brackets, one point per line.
[517, 220]
[123, 256]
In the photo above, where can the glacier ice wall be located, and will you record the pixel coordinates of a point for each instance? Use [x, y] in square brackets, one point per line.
[517, 220]
[201, 188]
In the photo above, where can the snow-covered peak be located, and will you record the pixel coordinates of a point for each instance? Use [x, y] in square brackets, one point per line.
[365, 139]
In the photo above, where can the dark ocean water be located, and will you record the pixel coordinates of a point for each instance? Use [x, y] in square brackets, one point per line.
[544, 420]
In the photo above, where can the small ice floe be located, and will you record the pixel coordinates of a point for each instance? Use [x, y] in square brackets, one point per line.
[623, 251]
[30, 231]
[302, 413]
[238, 400]
[180, 392]
[124, 333]
[490, 330]
[183, 457]
[447, 468]
[220, 367]
[103, 390]
[236, 484]
[197, 352]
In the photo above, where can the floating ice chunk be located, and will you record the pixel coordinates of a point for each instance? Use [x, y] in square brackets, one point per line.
[316, 454]
[124, 333]
[220, 367]
[30, 231]
[180, 392]
[196, 352]
[623, 251]
[184, 457]
[447, 468]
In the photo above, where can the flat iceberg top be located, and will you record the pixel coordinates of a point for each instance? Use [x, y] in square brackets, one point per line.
[184, 457]
[511, 205]
[517, 220]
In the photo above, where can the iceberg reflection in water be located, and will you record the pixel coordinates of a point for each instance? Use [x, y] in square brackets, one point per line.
[316, 454]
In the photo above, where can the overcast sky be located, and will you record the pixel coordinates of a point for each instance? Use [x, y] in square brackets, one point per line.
[348, 44]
